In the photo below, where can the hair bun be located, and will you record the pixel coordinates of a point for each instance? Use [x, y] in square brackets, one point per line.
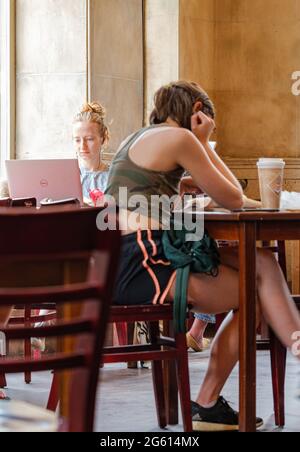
[94, 112]
[94, 107]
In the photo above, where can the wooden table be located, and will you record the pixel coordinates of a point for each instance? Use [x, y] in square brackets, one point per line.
[248, 228]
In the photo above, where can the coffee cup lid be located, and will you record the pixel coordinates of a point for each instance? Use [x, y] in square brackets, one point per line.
[270, 163]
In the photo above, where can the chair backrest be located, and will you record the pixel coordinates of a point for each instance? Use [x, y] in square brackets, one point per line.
[67, 239]
[50, 230]
[40, 235]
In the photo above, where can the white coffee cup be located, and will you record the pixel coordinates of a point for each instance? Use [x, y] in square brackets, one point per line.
[270, 174]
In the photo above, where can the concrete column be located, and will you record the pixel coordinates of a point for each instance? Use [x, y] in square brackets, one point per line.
[116, 39]
[161, 46]
[196, 42]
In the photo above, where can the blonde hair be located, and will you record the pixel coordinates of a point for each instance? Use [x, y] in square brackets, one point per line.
[176, 101]
[96, 113]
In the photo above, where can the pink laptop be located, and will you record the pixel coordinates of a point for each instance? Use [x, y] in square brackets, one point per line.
[44, 179]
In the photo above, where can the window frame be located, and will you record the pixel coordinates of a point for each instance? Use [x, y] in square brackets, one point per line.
[8, 81]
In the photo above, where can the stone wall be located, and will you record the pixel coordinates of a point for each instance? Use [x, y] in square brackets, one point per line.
[244, 54]
[257, 48]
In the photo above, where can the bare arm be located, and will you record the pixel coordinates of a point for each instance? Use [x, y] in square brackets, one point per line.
[188, 185]
[248, 203]
[218, 162]
[222, 167]
[251, 203]
[205, 174]
[202, 127]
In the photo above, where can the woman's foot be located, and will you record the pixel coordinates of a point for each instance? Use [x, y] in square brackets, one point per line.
[3, 395]
[220, 418]
[197, 345]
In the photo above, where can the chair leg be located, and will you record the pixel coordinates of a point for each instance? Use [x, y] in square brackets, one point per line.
[171, 392]
[278, 356]
[121, 332]
[158, 380]
[53, 395]
[190, 320]
[219, 320]
[130, 341]
[27, 344]
[184, 382]
[278, 363]
[170, 378]
[3, 383]
[27, 353]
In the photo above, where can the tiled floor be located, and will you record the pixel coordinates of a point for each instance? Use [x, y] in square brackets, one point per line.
[125, 401]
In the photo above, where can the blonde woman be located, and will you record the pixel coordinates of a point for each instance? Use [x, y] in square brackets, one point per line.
[90, 137]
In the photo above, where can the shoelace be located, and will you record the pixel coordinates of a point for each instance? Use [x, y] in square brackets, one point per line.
[226, 405]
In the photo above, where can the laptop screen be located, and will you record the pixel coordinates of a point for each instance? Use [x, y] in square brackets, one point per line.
[42, 179]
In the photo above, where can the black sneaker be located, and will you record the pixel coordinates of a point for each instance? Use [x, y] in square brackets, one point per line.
[219, 418]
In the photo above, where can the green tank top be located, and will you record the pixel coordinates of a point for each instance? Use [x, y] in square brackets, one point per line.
[140, 181]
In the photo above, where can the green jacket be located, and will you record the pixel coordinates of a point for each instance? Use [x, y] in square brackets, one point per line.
[186, 256]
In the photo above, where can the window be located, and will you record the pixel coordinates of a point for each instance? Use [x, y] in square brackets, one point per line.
[7, 81]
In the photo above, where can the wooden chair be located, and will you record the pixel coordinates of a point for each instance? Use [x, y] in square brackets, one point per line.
[29, 318]
[163, 352]
[160, 350]
[57, 255]
[84, 361]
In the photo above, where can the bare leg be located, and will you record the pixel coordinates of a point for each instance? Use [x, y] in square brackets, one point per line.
[276, 302]
[197, 331]
[223, 358]
[221, 294]
[221, 362]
